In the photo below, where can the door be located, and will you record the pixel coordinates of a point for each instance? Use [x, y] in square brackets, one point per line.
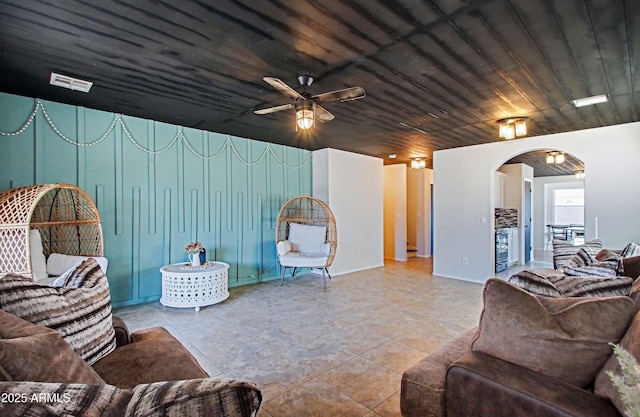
[526, 216]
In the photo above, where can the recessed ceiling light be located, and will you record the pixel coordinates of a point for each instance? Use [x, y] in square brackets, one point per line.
[65, 81]
[392, 156]
[587, 101]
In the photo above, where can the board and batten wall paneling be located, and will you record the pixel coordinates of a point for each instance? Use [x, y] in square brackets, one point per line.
[152, 203]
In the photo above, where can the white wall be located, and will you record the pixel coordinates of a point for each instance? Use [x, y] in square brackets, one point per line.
[543, 188]
[395, 212]
[464, 187]
[351, 184]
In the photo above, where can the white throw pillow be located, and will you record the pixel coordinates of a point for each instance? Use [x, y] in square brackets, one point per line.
[38, 261]
[307, 239]
[59, 263]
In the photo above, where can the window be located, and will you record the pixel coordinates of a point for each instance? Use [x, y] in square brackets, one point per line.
[568, 206]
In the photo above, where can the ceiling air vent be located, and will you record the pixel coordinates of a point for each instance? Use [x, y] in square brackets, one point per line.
[70, 83]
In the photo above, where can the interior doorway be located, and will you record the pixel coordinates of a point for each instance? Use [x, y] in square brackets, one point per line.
[527, 219]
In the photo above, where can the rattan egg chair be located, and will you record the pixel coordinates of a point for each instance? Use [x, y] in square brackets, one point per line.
[306, 235]
[65, 216]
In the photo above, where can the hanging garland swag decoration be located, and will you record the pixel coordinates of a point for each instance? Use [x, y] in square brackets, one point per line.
[180, 135]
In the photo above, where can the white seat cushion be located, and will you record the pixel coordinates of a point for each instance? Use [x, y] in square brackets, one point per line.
[304, 260]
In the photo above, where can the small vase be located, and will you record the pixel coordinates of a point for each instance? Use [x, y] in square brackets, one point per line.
[203, 256]
[195, 259]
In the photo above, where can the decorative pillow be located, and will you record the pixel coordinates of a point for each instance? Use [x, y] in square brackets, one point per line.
[307, 239]
[564, 251]
[607, 254]
[582, 258]
[66, 400]
[566, 338]
[594, 286]
[58, 263]
[183, 398]
[38, 261]
[632, 249]
[194, 397]
[603, 385]
[608, 268]
[535, 283]
[81, 313]
[29, 352]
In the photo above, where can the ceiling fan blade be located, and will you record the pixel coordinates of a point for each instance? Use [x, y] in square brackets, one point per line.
[273, 109]
[347, 94]
[323, 115]
[281, 86]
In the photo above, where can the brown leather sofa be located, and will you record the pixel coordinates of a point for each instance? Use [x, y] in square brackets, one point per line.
[149, 373]
[458, 380]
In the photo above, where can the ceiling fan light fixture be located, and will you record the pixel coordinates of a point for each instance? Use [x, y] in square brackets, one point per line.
[305, 114]
[588, 101]
[512, 127]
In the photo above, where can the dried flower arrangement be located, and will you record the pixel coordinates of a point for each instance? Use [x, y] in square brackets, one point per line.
[194, 247]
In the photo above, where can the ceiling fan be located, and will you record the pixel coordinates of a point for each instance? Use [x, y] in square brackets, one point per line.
[309, 107]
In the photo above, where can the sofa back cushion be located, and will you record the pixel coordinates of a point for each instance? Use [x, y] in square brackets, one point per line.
[563, 251]
[80, 309]
[29, 352]
[566, 338]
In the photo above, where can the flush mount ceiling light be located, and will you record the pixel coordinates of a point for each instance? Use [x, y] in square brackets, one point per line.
[555, 157]
[588, 101]
[65, 81]
[417, 163]
[512, 127]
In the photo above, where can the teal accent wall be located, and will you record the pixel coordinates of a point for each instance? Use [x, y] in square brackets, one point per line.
[153, 204]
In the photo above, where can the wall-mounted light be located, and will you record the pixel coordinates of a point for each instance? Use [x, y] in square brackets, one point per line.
[512, 127]
[580, 175]
[555, 157]
[417, 163]
[305, 114]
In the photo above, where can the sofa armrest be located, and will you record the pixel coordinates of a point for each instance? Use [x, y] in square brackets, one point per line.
[481, 385]
[122, 331]
[283, 247]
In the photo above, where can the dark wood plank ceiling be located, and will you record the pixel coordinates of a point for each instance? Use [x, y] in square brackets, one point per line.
[437, 73]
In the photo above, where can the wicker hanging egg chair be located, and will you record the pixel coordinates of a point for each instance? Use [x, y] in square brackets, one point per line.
[306, 235]
[65, 216]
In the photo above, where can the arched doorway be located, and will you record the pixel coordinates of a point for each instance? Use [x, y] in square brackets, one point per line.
[533, 192]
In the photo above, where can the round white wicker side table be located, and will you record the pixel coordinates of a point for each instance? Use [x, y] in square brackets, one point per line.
[184, 285]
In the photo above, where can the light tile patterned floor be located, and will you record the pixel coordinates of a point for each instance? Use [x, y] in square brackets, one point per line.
[316, 352]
